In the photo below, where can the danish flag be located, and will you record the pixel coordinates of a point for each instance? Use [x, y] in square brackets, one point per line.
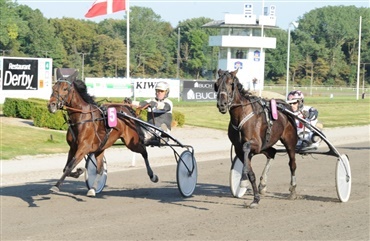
[103, 7]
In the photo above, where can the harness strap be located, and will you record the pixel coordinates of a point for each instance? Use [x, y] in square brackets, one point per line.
[245, 119]
[266, 108]
[86, 121]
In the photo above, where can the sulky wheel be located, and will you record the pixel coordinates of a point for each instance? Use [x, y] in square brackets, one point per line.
[186, 173]
[343, 178]
[235, 178]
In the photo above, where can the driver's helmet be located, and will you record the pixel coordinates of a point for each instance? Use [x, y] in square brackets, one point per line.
[162, 85]
[296, 96]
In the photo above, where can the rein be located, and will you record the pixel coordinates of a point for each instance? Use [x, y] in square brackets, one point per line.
[231, 104]
[78, 111]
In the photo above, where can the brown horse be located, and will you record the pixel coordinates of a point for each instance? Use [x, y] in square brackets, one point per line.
[252, 130]
[88, 130]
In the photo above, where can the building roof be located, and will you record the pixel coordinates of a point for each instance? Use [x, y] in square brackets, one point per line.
[221, 24]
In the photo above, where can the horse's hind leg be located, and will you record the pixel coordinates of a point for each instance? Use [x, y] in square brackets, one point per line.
[293, 181]
[262, 187]
[247, 170]
[290, 142]
[270, 154]
[153, 177]
[141, 148]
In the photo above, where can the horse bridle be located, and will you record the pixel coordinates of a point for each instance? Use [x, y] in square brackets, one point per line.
[230, 96]
[62, 100]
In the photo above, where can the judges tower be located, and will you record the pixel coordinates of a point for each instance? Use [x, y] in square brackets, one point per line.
[242, 44]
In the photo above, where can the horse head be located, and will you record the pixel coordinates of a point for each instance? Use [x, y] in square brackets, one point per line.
[225, 87]
[60, 95]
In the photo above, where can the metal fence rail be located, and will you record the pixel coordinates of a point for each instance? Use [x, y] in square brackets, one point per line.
[324, 91]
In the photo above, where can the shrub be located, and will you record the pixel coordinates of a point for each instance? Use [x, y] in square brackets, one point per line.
[36, 109]
[178, 118]
[10, 107]
[43, 118]
[25, 109]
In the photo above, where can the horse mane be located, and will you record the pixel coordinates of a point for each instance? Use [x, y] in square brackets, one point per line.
[81, 88]
[253, 99]
[244, 93]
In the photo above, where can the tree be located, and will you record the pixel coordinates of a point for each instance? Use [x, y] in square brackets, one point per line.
[194, 46]
[37, 38]
[275, 62]
[77, 37]
[329, 36]
[148, 45]
[108, 58]
[10, 27]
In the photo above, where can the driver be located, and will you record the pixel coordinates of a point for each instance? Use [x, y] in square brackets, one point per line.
[307, 140]
[160, 112]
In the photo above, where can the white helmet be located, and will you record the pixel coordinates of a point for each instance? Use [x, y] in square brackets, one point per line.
[162, 85]
[296, 96]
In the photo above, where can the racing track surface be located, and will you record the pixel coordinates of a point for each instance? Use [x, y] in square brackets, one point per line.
[133, 208]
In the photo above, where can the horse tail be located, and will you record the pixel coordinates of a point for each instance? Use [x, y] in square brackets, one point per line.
[139, 130]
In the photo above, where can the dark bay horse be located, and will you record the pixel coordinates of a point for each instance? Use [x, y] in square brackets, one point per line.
[88, 130]
[253, 131]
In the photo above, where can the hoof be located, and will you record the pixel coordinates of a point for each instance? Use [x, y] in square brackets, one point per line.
[262, 189]
[78, 172]
[81, 170]
[252, 205]
[154, 179]
[54, 189]
[244, 184]
[91, 193]
[292, 196]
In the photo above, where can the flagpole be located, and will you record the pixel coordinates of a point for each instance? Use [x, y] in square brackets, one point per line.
[358, 60]
[128, 42]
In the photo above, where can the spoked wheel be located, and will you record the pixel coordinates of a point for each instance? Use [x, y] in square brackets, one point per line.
[186, 173]
[343, 178]
[235, 178]
[90, 173]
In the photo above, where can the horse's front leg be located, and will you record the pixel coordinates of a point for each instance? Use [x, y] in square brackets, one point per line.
[66, 172]
[248, 172]
[71, 164]
[71, 154]
[78, 172]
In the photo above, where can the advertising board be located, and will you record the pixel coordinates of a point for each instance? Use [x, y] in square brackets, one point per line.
[145, 87]
[109, 87]
[198, 91]
[25, 77]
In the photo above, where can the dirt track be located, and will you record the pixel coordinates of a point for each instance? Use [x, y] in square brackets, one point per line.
[133, 208]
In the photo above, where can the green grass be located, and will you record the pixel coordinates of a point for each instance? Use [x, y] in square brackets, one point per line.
[335, 112]
[16, 141]
[344, 111]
